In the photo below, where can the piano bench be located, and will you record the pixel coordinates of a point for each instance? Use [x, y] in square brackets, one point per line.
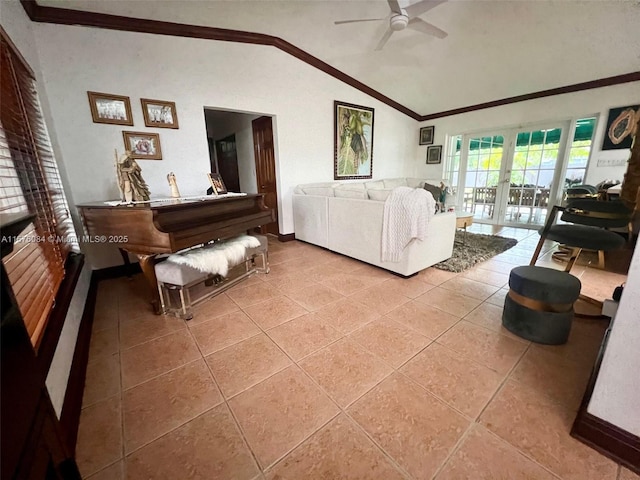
[175, 281]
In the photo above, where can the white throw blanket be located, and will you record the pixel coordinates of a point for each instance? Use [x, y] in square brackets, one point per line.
[407, 211]
[218, 257]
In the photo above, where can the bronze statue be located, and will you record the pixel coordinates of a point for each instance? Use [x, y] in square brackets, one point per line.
[132, 186]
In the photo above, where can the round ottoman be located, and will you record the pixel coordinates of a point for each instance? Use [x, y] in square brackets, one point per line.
[539, 305]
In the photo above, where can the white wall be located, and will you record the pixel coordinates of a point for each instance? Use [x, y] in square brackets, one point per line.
[616, 395]
[195, 74]
[586, 103]
[20, 29]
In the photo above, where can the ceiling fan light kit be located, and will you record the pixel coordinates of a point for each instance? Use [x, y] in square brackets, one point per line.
[402, 18]
[398, 22]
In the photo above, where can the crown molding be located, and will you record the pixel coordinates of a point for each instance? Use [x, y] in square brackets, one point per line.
[64, 16]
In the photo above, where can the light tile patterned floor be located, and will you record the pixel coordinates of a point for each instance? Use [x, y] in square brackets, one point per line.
[330, 368]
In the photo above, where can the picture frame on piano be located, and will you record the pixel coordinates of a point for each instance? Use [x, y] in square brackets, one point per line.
[217, 184]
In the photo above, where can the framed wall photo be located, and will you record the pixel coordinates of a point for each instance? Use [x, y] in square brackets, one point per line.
[158, 113]
[353, 141]
[143, 145]
[217, 184]
[426, 135]
[620, 124]
[434, 154]
[108, 108]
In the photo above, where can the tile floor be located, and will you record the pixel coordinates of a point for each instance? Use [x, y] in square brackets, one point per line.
[330, 368]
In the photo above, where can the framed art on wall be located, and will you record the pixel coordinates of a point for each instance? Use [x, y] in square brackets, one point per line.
[158, 113]
[108, 108]
[426, 135]
[353, 141]
[434, 154]
[143, 145]
[620, 124]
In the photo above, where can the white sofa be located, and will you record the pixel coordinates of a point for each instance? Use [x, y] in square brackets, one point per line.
[347, 218]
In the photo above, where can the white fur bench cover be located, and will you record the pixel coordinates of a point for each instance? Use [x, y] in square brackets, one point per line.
[218, 257]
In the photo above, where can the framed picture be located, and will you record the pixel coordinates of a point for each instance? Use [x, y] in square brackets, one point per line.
[620, 124]
[158, 113]
[353, 142]
[107, 108]
[434, 154]
[143, 145]
[217, 184]
[426, 135]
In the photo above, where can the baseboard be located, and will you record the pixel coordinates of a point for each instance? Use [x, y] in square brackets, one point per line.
[613, 442]
[70, 415]
[287, 237]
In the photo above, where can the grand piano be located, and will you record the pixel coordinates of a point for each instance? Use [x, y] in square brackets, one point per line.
[167, 226]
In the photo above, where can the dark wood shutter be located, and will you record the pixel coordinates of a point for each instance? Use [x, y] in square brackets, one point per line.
[30, 182]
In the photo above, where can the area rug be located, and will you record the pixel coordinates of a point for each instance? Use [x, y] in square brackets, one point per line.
[477, 248]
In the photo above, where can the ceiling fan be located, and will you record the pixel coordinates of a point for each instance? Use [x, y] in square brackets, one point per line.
[402, 18]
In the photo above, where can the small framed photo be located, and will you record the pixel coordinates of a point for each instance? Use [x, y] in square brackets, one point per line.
[434, 154]
[143, 145]
[108, 108]
[426, 135]
[217, 184]
[158, 113]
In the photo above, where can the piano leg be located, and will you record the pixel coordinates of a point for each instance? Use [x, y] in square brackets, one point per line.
[147, 264]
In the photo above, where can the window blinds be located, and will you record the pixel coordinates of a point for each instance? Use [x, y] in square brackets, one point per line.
[29, 181]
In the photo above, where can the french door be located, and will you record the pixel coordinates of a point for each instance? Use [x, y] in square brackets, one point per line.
[511, 177]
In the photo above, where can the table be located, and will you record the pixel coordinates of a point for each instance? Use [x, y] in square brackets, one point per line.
[464, 220]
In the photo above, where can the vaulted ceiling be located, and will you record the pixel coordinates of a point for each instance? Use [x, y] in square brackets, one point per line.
[494, 49]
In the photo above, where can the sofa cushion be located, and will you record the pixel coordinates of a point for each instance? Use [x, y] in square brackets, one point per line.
[379, 194]
[325, 189]
[435, 190]
[395, 182]
[415, 182]
[350, 193]
[376, 185]
[351, 186]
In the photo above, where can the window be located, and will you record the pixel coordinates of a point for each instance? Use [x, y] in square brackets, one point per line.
[452, 162]
[579, 152]
[30, 182]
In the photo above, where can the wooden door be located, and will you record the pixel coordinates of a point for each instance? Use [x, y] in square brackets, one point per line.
[264, 153]
[228, 162]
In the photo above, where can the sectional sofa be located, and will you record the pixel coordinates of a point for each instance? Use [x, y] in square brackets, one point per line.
[347, 218]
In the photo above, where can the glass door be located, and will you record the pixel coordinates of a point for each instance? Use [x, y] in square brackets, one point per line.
[508, 177]
[532, 174]
[482, 165]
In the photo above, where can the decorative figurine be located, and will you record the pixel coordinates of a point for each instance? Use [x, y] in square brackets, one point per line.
[171, 178]
[132, 186]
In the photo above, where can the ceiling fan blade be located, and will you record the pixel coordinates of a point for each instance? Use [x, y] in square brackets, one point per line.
[421, 26]
[394, 6]
[422, 7]
[384, 39]
[341, 22]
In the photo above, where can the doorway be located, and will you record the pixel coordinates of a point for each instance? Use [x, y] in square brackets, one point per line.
[510, 177]
[242, 147]
[227, 162]
[264, 154]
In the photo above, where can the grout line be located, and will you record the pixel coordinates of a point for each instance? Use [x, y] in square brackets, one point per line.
[224, 400]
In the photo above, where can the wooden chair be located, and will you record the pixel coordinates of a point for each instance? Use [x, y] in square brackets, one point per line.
[587, 228]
